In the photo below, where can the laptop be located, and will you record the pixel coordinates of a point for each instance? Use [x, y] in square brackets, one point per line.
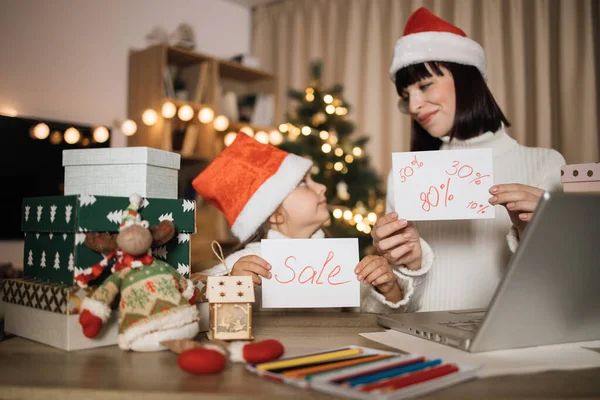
[550, 293]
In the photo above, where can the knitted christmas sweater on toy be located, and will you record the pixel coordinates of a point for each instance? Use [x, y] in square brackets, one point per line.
[154, 299]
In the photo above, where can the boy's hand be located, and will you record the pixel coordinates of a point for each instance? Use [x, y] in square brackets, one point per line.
[253, 266]
[376, 271]
[397, 240]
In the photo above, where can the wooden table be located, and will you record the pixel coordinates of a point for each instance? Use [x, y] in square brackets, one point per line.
[30, 370]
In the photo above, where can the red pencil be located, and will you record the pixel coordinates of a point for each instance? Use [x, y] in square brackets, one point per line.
[411, 379]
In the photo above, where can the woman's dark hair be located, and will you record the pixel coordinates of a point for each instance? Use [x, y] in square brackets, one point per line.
[476, 109]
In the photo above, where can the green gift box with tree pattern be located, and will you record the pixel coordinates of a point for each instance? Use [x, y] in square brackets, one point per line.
[55, 229]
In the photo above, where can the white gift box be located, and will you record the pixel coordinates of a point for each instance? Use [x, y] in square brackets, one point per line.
[121, 171]
[64, 331]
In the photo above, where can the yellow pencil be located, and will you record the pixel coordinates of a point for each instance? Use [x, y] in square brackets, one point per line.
[294, 362]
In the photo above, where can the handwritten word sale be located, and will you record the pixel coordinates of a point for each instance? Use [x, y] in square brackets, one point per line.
[308, 274]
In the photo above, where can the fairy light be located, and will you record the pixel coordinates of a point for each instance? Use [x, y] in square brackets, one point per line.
[330, 109]
[185, 113]
[56, 137]
[328, 99]
[324, 135]
[333, 139]
[367, 229]
[372, 217]
[358, 218]
[357, 151]
[360, 226]
[206, 115]
[262, 137]
[349, 159]
[247, 130]
[168, 110]
[128, 127]
[229, 138]
[326, 148]
[339, 152]
[149, 117]
[41, 131]
[275, 137]
[306, 130]
[337, 213]
[309, 97]
[100, 134]
[347, 215]
[72, 135]
[221, 123]
[338, 166]
[283, 128]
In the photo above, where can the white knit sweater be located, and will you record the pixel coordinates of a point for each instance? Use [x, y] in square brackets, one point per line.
[470, 256]
[370, 299]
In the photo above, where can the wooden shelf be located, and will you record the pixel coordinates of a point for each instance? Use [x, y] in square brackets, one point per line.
[239, 72]
[182, 57]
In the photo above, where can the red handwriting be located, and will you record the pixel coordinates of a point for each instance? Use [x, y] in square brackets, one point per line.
[473, 205]
[465, 171]
[432, 197]
[311, 276]
[408, 171]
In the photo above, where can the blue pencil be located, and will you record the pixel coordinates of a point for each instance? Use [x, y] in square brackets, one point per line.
[393, 372]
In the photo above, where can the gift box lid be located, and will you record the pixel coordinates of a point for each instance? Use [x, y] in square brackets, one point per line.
[122, 156]
[88, 213]
[589, 172]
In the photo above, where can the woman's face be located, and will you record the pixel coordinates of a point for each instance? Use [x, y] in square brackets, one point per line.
[431, 102]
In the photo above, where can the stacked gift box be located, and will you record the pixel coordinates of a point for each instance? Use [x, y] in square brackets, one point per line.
[45, 304]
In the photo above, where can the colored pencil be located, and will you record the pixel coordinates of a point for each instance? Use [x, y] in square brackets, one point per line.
[346, 378]
[289, 369]
[309, 359]
[411, 379]
[393, 372]
[299, 373]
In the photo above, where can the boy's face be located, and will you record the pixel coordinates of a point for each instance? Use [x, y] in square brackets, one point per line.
[304, 210]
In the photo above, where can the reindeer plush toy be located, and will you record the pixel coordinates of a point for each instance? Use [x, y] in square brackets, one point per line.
[156, 304]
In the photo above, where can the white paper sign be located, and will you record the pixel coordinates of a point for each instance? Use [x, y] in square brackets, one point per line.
[445, 184]
[310, 273]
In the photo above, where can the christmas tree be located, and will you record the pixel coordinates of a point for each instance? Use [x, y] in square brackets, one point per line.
[319, 128]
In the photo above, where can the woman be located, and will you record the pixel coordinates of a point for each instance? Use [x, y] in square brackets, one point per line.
[440, 76]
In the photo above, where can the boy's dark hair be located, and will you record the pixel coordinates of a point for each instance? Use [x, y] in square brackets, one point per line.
[476, 109]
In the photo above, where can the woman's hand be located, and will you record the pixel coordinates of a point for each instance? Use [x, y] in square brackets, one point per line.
[397, 240]
[253, 266]
[519, 200]
[376, 271]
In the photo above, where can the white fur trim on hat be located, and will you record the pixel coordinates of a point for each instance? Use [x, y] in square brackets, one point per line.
[97, 308]
[270, 195]
[437, 46]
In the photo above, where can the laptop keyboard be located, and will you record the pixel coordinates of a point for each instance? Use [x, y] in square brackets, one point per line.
[470, 325]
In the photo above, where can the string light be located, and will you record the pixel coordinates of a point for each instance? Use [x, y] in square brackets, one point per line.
[326, 148]
[56, 137]
[372, 217]
[168, 110]
[185, 113]
[357, 151]
[206, 115]
[338, 166]
[149, 117]
[330, 109]
[275, 137]
[41, 131]
[100, 134]
[283, 128]
[324, 135]
[128, 127]
[310, 97]
[262, 137]
[347, 215]
[337, 213]
[221, 123]
[306, 130]
[229, 138]
[247, 130]
[339, 152]
[72, 135]
[349, 159]
[328, 99]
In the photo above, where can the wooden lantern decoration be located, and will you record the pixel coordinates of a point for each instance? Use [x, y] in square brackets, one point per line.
[230, 301]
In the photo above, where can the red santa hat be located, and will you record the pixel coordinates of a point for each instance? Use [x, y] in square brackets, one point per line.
[427, 37]
[248, 181]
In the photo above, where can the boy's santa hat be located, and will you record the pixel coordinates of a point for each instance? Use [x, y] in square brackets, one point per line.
[248, 181]
[427, 37]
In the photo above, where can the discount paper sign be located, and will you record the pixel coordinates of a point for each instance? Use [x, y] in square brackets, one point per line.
[443, 185]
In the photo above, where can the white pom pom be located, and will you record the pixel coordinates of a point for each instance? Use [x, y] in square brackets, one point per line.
[135, 199]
